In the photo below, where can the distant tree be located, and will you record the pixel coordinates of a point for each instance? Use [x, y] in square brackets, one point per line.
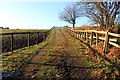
[106, 14]
[66, 26]
[70, 14]
[1, 27]
[6, 28]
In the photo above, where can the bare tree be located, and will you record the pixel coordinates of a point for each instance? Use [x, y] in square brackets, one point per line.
[70, 14]
[106, 14]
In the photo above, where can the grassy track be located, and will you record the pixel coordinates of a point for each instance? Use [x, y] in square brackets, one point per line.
[65, 57]
[60, 59]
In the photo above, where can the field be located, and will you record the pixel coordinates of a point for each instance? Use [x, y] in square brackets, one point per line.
[21, 30]
[59, 56]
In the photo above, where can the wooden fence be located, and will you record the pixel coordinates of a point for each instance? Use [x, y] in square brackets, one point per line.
[44, 34]
[90, 35]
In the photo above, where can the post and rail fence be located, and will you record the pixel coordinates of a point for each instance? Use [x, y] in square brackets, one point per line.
[44, 34]
[90, 35]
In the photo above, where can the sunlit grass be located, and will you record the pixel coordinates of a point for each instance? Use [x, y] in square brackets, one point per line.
[22, 30]
[13, 61]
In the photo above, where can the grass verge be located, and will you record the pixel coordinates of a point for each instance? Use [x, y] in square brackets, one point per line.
[12, 62]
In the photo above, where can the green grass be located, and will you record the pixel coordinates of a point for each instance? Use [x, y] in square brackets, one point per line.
[22, 30]
[13, 61]
[47, 72]
[19, 57]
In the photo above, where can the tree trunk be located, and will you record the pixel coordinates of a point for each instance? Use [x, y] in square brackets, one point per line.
[73, 25]
[102, 23]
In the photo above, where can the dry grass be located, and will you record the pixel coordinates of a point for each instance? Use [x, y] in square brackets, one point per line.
[112, 29]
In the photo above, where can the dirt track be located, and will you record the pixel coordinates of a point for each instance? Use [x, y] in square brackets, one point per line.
[61, 58]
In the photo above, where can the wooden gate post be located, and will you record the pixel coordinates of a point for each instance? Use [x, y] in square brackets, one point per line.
[106, 42]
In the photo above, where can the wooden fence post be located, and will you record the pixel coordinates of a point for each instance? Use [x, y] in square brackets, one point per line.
[72, 33]
[97, 37]
[87, 37]
[106, 42]
[11, 42]
[43, 36]
[67, 30]
[76, 34]
[38, 37]
[29, 39]
[91, 38]
[81, 35]
[84, 35]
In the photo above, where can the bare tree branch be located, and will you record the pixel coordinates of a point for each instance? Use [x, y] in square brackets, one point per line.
[70, 14]
[105, 14]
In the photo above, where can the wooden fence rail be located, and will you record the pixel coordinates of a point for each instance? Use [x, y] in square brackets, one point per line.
[89, 35]
[28, 34]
